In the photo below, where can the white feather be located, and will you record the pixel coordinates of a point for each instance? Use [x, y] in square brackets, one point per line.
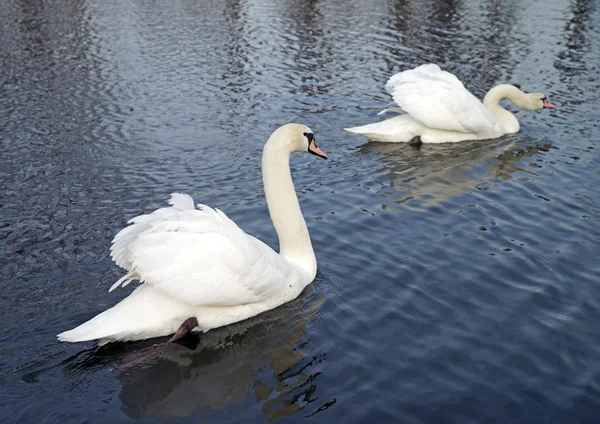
[181, 201]
[391, 109]
[439, 100]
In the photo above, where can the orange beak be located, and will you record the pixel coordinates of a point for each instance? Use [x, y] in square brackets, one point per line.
[314, 149]
[548, 104]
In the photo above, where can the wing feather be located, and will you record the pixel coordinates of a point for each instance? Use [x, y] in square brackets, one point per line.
[439, 100]
[199, 256]
[181, 201]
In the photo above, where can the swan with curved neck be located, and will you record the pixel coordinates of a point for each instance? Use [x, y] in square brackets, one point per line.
[435, 107]
[199, 270]
[294, 241]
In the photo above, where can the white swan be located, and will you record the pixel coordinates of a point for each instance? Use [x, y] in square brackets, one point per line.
[437, 108]
[200, 269]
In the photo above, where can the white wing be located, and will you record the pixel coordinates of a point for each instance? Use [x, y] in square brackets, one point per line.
[439, 100]
[198, 256]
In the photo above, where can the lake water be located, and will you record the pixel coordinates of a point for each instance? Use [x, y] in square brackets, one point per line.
[456, 283]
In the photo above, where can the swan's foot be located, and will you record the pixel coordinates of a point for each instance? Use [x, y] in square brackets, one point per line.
[543, 147]
[140, 356]
[187, 326]
[415, 141]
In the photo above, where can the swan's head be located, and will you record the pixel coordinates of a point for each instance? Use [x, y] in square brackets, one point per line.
[535, 101]
[298, 138]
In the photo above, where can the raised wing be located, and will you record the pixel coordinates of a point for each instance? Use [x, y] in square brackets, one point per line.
[439, 100]
[198, 256]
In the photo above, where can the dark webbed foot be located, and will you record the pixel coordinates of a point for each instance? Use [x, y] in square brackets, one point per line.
[184, 329]
[543, 147]
[139, 356]
[415, 141]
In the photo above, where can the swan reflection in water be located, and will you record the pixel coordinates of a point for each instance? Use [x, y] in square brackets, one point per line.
[438, 172]
[226, 365]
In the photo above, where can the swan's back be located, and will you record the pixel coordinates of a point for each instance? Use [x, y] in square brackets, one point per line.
[429, 72]
[200, 257]
[439, 100]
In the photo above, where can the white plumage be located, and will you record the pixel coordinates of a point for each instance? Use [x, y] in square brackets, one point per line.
[196, 262]
[436, 106]
[198, 256]
[439, 100]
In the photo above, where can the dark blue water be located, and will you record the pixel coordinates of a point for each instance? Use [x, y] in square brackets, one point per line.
[456, 283]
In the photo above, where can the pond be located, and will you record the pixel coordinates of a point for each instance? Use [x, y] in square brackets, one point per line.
[456, 282]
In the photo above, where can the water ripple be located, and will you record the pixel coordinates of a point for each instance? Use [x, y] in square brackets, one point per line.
[456, 283]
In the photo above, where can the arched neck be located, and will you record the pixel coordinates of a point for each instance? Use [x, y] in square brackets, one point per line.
[492, 103]
[294, 240]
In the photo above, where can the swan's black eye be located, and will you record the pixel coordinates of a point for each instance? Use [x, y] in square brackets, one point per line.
[543, 99]
[310, 136]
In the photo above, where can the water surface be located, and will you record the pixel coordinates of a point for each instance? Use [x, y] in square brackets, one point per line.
[456, 283]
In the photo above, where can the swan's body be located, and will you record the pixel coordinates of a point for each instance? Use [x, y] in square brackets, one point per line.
[198, 263]
[436, 106]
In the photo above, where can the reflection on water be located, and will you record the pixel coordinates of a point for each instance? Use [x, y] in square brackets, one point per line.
[267, 355]
[469, 270]
[436, 173]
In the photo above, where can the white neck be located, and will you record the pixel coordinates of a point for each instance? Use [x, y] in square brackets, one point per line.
[294, 240]
[492, 103]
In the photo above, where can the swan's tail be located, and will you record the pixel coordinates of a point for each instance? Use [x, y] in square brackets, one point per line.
[364, 130]
[102, 326]
[397, 129]
[144, 314]
[376, 131]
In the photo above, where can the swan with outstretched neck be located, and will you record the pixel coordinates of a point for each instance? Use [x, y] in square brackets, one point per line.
[198, 270]
[435, 107]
